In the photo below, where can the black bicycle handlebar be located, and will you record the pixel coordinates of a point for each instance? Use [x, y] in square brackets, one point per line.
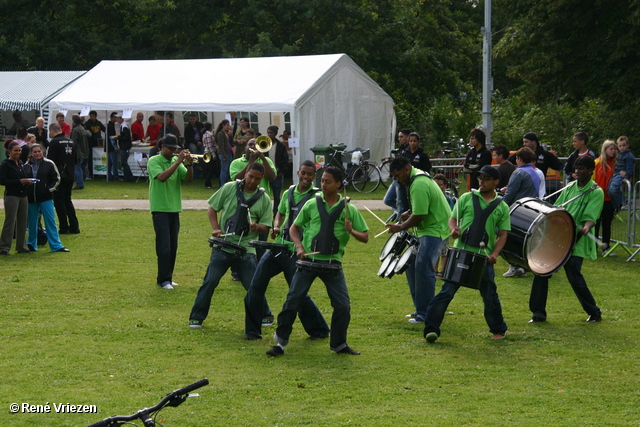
[143, 414]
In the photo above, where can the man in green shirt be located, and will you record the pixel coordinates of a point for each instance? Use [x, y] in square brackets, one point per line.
[166, 173]
[428, 215]
[585, 211]
[328, 222]
[243, 209]
[276, 261]
[239, 166]
[473, 236]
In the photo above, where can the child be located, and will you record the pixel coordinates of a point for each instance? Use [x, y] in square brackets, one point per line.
[622, 170]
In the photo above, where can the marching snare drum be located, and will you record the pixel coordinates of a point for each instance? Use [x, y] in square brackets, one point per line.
[275, 247]
[407, 258]
[385, 265]
[542, 236]
[464, 268]
[217, 243]
[319, 267]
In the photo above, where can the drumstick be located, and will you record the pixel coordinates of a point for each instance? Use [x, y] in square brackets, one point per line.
[381, 233]
[311, 253]
[599, 242]
[228, 234]
[376, 216]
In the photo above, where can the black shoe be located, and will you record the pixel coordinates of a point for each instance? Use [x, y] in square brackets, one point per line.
[251, 337]
[63, 250]
[595, 318]
[64, 232]
[268, 320]
[536, 319]
[275, 351]
[317, 336]
[31, 248]
[4, 253]
[74, 231]
[349, 350]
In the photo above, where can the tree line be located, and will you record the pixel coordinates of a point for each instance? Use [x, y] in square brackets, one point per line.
[559, 66]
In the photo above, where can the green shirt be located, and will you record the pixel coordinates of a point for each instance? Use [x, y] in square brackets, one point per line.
[238, 164]
[427, 199]
[586, 208]
[498, 220]
[309, 219]
[283, 208]
[225, 202]
[165, 196]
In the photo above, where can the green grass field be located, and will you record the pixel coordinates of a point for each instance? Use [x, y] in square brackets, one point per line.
[91, 327]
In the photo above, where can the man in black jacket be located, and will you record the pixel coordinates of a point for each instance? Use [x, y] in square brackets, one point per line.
[193, 135]
[124, 145]
[62, 152]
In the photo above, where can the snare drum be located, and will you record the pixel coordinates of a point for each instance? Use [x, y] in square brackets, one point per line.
[319, 267]
[217, 243]
[385, 265]
[542, 236]
[275, 247]
[395, 244]
[464, 268]
[406, 259]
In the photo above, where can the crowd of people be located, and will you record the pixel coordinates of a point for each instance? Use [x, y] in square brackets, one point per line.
[311, 227]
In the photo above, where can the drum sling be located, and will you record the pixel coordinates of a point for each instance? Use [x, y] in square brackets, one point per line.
[326, 241]
[476, 233]
[294, 210]
[238, 223]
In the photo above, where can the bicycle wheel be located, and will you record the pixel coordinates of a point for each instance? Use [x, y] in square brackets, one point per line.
[385, 174]
[365, 178]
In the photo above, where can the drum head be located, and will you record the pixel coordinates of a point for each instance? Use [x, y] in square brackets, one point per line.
[406, 259]
[550, 242]
[391, 270]
[388, 247]
[385, 265]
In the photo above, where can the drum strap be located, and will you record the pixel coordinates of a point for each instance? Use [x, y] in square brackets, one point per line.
[239, 223]
[294, 210]
[326, 241]
[476, 233]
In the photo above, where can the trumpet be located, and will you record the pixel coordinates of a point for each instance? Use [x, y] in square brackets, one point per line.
[196, 158]
[263, 144]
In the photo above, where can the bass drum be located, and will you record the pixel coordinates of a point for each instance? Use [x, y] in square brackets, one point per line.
[464, 268]
[542, 236]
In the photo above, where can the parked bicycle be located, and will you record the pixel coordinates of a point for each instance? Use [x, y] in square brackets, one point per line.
[148, 415]
[362, 175]
[449, 162]
[385, 173]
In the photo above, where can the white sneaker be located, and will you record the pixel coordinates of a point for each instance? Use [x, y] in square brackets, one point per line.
[174, 284]
[511, 272]
[416, 319]
[521, 271]
[410, 316]
[166, 285]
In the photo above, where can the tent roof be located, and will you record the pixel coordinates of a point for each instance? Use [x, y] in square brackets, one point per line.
[232, 84]
[31, 90]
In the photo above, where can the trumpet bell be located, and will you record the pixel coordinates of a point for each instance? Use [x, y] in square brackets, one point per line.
[196, 158]
[263, 143]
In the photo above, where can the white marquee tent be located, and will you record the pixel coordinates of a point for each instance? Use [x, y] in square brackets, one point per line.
[330, 99]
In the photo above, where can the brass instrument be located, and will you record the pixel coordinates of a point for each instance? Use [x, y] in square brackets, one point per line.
[196, 158]
[263, 144]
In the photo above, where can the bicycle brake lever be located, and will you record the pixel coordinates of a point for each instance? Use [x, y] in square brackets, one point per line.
[177, 400]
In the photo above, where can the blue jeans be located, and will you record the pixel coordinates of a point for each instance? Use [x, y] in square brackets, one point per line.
[79, 172]
[540, 289]
[615, 191]
[338, 294]
[276, 187]
[396, 197]
[112, 167]
[48, 213]
[220, 262]
[224, 169]
[167, 227]
[489, 293]
[421, 274]
[126, 169]
[270, 265]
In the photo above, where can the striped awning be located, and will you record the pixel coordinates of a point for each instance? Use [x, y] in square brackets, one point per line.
[32, 90]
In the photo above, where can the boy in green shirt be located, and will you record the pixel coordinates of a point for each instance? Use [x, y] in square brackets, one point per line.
[328, 223]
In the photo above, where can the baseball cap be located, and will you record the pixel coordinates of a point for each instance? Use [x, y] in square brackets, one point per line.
[170, 141]
[489, 172]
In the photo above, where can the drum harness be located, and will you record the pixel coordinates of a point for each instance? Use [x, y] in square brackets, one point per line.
[294, 210]
[476, 234]
[584, 193]
[328, 242]
[238, 223]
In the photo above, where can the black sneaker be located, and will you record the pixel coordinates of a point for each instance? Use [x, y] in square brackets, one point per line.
[595, 318]
[275, 351]
[317, 336]
[195, 324]
[348, 350]
[536, 319]
[267, 321]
